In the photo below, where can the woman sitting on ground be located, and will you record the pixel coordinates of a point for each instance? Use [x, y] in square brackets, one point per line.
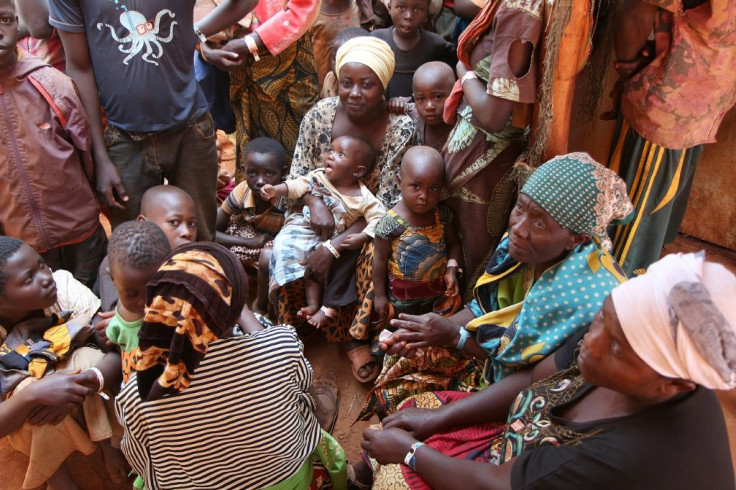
[365, 65]
[546, 280]
[211, 406]
[627, 403]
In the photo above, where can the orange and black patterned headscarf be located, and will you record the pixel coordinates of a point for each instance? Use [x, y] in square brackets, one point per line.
[194, 298]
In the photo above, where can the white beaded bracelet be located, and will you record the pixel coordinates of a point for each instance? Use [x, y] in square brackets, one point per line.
[100, 378]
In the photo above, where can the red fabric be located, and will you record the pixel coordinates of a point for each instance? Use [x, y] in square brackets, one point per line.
[472, 442]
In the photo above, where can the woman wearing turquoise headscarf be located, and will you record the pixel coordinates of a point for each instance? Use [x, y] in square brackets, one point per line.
[546, 280]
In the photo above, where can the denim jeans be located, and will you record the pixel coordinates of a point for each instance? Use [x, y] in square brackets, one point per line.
[185, 157]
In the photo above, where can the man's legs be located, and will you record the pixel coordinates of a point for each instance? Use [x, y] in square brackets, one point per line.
[136, 158]
[81, 259]
[195, 171]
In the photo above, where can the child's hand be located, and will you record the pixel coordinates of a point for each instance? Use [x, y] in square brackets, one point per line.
[451, 281]
[354, 241]
[268, 192]
[397, 105]
[101, 326]
[380, 305]
[259, 240]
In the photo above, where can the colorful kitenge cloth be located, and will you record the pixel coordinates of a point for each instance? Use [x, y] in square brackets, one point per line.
[417, 260]
[518, 322]
[245, 222]
[564, 299]
[297, 239]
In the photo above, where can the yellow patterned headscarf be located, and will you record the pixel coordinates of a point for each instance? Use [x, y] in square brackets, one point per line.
[371, 52]
[195, 297]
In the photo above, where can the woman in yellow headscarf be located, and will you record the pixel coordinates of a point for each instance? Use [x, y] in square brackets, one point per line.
[364, 66]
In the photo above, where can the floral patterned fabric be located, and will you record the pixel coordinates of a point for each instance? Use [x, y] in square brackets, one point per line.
[680, 98]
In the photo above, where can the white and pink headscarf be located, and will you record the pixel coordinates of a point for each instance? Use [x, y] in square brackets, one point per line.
[680, 318]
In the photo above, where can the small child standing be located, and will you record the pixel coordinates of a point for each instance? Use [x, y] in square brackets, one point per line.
[416, 247]
[334, 17]
[136, 251]
[247, 223]
[45, 161]
[432, 85]
[412, 45]
[339, 186]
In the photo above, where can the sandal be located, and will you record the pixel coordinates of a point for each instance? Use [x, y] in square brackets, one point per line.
[326, 412]
[361, 358]
[353, 483]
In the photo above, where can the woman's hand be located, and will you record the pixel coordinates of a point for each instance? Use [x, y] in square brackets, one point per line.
[226, 59]
[420, 423]
[318, 265]
[60, 392]
[320, 218]
[387, 446]
[421, 331]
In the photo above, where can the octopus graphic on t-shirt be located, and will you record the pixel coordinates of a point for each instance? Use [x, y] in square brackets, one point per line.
[141, 32]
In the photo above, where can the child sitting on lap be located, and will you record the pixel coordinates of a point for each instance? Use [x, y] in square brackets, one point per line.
[247, 223]
[338, 184]
[416, 247]
[136, 251]
[39, 346]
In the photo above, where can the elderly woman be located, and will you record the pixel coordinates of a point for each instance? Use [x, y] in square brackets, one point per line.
[546, 280]
[365, 66]
[627, 403]
[211, 406]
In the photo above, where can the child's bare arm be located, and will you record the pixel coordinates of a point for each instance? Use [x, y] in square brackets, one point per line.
[454, 256]
[354, 241]
[634, 23]
[381, 248]
[269, 191]
[223, 220]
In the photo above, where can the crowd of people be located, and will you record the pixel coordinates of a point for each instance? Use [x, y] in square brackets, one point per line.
[381, 200]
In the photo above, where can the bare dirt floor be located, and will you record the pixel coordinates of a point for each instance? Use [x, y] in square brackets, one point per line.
[329, 361]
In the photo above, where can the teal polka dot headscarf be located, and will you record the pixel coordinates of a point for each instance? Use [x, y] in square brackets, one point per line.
[580, 194]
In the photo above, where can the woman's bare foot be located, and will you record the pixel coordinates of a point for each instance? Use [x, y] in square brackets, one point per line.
[61, 480]
[117, 466]
[319, 319]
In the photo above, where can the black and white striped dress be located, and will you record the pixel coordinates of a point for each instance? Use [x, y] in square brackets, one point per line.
[246, 420]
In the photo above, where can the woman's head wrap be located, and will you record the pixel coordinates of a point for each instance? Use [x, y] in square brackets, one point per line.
[195, 297]
[371, 52]
[580, 194]
[680, 318]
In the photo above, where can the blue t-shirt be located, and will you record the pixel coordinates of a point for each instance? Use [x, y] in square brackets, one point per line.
[141, 52]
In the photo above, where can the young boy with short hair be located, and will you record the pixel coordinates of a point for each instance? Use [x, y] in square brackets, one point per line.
[136, 251]
[412, 45]
[338, 184]
[45, 164]
[247, 223]
[432, 85]
[172, 210]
